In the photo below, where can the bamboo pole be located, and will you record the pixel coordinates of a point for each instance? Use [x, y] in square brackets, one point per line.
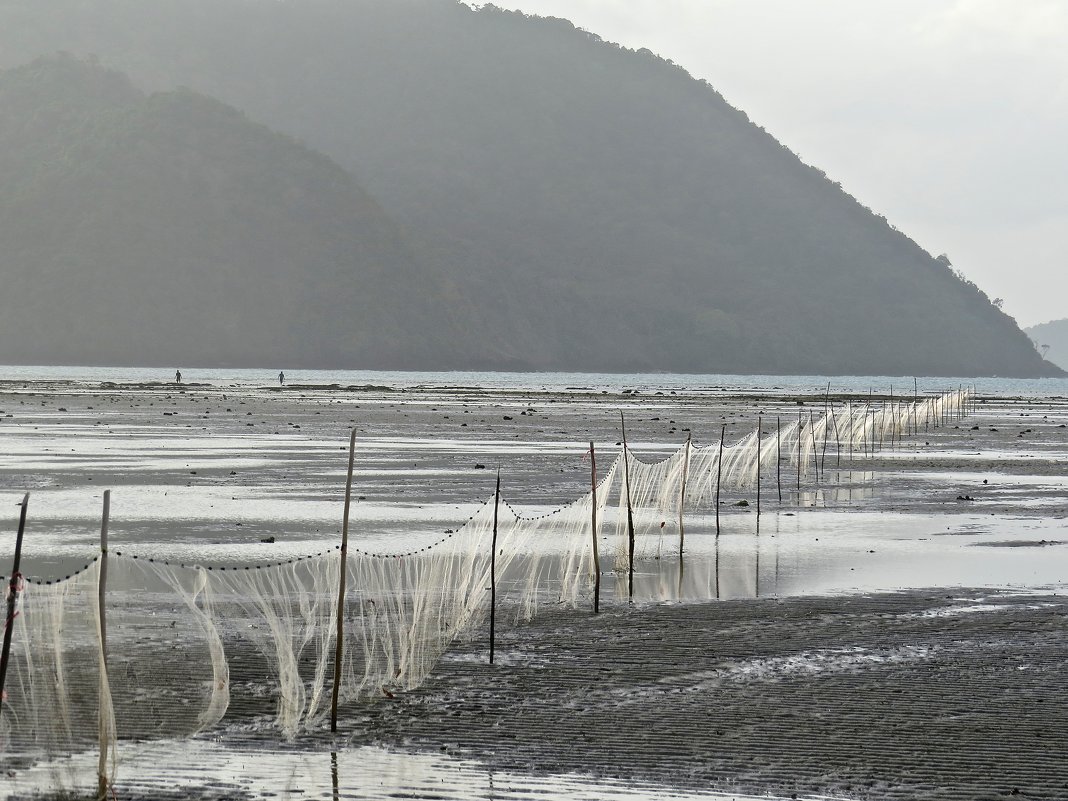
[593, 535]
[719, 477]
[837, 440]
[12, 597]
[759, 444]
[493, 566]
[630, 511]
[849, 411]
[893, 417]
[871, 434]
[778, 456]
[343, 568]
[815, 450]
[798, 457]
[915, 405]
[682, 496]
[826, 406]
[717, 563]
[102, 720]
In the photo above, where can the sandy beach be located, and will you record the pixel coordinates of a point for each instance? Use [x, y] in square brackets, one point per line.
[897, 631]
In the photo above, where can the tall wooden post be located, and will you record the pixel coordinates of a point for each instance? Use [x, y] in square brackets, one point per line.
[778, 456]
[719, 473]
[339, 644]
[760, 426]
[493, 566]
[837, 439]
[815, 450]
[798, 457]
[915, 406]
[849, 411]
[682, 496]
[12, 597]
[893, 418]
[826, 408]
[630, 511]
[102, 719]
[593, 530]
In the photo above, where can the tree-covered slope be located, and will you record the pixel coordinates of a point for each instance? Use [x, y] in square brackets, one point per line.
[599, 207]
[168, 229]
[1051, 339]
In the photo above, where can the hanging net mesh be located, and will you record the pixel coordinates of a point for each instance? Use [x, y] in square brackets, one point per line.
[188, 646]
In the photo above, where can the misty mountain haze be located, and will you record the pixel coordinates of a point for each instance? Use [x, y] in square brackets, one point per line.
[1055, 335]
[541, 199]
[169, 229]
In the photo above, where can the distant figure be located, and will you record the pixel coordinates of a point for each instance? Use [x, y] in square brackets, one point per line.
[177, 376]
[281, 378]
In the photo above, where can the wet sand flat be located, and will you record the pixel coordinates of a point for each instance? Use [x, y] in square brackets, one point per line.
[826, 688]
[922, 695]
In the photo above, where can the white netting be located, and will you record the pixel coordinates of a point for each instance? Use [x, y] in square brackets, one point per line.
[188, 646]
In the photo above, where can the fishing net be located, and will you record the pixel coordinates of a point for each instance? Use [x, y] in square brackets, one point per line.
[183, 647]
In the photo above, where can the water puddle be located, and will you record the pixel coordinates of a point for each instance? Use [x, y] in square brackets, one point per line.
[203, 770]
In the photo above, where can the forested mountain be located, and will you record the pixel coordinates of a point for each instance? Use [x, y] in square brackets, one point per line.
[597, 208]
[1053, 334]
[168, 229]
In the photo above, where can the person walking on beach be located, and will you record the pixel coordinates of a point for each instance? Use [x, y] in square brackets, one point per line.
[177, 376]
[281, 378]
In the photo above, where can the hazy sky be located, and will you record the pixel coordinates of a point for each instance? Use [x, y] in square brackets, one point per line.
[949, 117]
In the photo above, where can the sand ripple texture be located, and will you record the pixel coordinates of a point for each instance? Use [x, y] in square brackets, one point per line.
[901, 696]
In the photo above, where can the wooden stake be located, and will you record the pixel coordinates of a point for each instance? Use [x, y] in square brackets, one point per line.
[682, 496]
[340, 641]
[778, 456]
[837, 440]
[826, 407]
[593, 535]
[12, 597]
[101, 770]
[849, 411]
[893, 417]
[493, 566]
[760, 426]
[719, 477]
[915, 405]
[798, 457]
[630, 511]
[815, 459]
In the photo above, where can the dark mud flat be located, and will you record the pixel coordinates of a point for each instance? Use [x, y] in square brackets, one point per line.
[923, 695]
